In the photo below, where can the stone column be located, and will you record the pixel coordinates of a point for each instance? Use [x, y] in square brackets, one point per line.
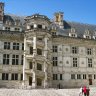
[24, 59]
[45, 64]
[34, 46]
[45, 78]
[45, 48]
[34, 75]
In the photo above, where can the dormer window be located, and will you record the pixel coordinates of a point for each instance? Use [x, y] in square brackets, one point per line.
[73, 30]
[88, 37]
[17, 22]
[94, 35]
[7, 28]
[87, 34]
[53, 33]
[87, 31]
[17, 29]
[72, 33]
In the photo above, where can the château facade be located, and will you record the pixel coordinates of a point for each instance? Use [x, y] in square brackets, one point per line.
[37, 52]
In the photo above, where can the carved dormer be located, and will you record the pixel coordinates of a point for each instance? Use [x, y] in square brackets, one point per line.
[8, 22]
[87, 34]
[94, 34]
[17, 22]
[72, 33]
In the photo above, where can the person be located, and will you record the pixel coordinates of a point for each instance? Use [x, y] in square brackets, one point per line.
[81, 91]
[88, 91]
[84, 90]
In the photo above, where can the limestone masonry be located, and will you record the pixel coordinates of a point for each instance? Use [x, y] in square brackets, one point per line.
[37, 52]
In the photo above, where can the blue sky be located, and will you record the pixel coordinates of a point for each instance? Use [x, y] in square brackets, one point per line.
[83, 11]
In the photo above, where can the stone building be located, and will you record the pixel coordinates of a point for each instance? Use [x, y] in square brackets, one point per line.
[37, 52]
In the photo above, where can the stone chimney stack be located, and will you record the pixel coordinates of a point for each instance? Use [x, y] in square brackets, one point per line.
[1, 15]
[1, 11]
[59, 19]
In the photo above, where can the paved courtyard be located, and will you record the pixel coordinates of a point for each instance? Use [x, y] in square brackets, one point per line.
[44, 92]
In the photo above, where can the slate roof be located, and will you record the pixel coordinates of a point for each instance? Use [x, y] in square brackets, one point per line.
[12, 18]
[79, 28]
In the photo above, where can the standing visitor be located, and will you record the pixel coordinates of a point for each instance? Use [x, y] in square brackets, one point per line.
[81, 91]
[84, 90]
[88, 91]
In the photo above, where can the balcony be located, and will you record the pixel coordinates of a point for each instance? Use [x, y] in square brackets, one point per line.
[40, 57]
[29, 56]
[28, 71]
[40, 43]
[29, 42]
[37, 72]
[40, 73]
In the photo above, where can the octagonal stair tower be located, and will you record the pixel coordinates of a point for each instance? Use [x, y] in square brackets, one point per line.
[37, 60]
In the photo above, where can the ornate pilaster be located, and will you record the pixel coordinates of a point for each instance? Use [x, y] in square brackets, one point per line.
[34, 45]
[45, 78]
[24, 60]
[34, 75]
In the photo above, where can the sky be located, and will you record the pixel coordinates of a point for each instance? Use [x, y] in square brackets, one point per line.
[83, 11]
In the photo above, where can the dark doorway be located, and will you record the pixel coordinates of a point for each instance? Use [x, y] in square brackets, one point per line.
[90, 79]
[30, 80]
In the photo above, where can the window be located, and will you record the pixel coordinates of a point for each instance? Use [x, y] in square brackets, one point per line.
[6, 59]
[39, 66]
[54, 76]
[89, 62]
[31, 50]
[17, 29]
[21, 76]
[40, 26]
[30, 65]
[22, 60]
[72, 76]
[84, 76]
[89, 51]
[39, 39]
[15, 59]
[39, 51]
[7, 28]
[73, 35]
[87, 37]
[22, 46]
[39, 82]
[55, 61]
[5, 76]
[53, 33]
[74, 62]
[6, 45]
[55, 49]
[14, 76]
[60, 76]
[15, 46]
[74, 50]
[94, 76]
[78, 76]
